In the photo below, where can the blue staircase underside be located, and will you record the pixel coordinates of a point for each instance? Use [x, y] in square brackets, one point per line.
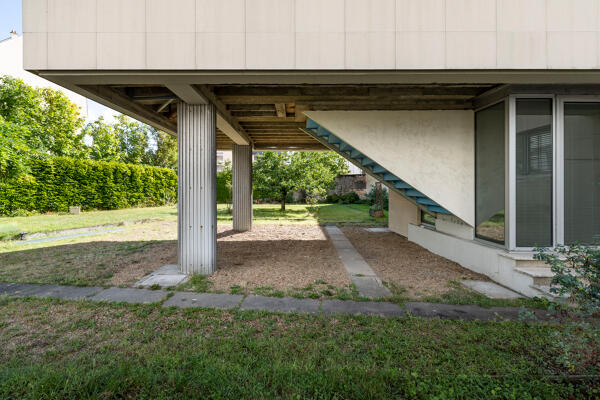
[377, 171]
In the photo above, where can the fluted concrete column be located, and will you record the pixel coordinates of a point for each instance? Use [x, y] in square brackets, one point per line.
[197, 188]
[242, 187]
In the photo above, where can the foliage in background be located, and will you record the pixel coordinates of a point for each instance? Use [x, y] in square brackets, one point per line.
[126, 140]
[275, 174]
[42, 118]
[55, 183]
[225, 185]
[372, 195]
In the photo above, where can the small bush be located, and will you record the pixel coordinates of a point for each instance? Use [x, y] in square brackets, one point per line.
[576, 273]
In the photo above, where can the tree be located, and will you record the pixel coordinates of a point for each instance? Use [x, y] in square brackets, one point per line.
[45, 118]
[126, 140]
[105, 144]
[165, 152]
[278, 173]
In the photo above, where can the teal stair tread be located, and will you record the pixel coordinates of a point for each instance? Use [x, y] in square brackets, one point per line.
[391, 180]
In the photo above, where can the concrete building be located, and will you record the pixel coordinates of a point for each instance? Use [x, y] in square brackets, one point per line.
[482, 114]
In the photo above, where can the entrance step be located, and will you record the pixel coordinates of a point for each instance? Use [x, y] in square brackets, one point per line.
[544, 291]
[541, 276]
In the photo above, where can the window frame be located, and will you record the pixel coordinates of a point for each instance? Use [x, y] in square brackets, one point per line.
[560, 159]
[483, 239]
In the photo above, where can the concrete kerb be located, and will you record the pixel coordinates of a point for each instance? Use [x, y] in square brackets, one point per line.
[271, 304]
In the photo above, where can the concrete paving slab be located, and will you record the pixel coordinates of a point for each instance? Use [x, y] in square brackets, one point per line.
[284, 304]
[130, 295]
[166, 276]
[491, 289]
[330, 307]
[17, 289]
[371, 287]
[65, 292]
[206, 300]
[378, 230]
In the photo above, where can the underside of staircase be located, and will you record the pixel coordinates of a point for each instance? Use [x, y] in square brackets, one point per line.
[370, 166]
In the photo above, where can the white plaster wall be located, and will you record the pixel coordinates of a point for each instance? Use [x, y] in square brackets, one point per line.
[401, 214]
[430, 150]
[312, 34]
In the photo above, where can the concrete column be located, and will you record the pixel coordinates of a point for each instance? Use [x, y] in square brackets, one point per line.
[197, 188]
[242, 187]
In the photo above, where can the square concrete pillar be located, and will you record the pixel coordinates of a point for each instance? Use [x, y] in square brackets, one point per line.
[197, 188]
[242, 187]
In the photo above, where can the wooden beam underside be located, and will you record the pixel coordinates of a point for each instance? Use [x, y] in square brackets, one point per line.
[270, 116]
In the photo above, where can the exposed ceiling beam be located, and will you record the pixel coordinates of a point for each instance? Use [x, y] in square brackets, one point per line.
[120, 102]
[280, 109]
[187, 93]
[225, 121]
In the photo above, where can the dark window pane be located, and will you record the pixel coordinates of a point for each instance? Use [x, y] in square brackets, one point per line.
[582, 172]
[534, 172]
[489, 173]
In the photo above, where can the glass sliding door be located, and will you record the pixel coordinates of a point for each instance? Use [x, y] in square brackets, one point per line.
[490, 172]
[581, 172]
[534, 159]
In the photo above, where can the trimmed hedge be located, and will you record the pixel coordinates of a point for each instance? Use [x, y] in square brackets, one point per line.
[56, 183]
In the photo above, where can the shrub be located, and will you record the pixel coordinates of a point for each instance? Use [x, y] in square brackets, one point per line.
[576, 273]
[55, 183]
[350, 198]
[372, 195]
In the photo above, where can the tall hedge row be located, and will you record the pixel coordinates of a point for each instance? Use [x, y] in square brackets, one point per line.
[56, 183]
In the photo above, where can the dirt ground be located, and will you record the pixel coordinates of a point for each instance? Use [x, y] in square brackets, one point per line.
[280, 256]
[406, 264]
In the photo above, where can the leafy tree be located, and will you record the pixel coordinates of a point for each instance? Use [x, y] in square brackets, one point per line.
[165, 152]
[278, 173]
[129, 141]
[105, 144]
[14, 152]
[45, 119]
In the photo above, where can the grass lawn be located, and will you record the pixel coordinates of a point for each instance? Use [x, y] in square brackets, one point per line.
[263, 214]
[66, 350]
[60, 221]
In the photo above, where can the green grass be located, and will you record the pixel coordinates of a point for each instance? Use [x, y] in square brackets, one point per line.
[60, 221]
[263, 214]
[66, 350]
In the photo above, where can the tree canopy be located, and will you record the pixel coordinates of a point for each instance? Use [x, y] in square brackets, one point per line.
[275, 174]
[42, 118]
[42, 122]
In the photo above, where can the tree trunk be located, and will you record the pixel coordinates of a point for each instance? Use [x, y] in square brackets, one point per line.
[284, 195]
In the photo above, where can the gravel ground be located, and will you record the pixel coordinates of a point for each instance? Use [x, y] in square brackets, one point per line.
[280, 256]
[406, 264]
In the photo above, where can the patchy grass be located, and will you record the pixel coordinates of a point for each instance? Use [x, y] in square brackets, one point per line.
[459, 294]
[53, 349]
[263, 214]
[60, 221]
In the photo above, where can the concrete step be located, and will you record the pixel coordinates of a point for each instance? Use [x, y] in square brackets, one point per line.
[541, 276]
[544, 291]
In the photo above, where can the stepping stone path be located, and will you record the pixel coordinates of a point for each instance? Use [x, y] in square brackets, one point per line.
[361, 274]
[270, 304]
